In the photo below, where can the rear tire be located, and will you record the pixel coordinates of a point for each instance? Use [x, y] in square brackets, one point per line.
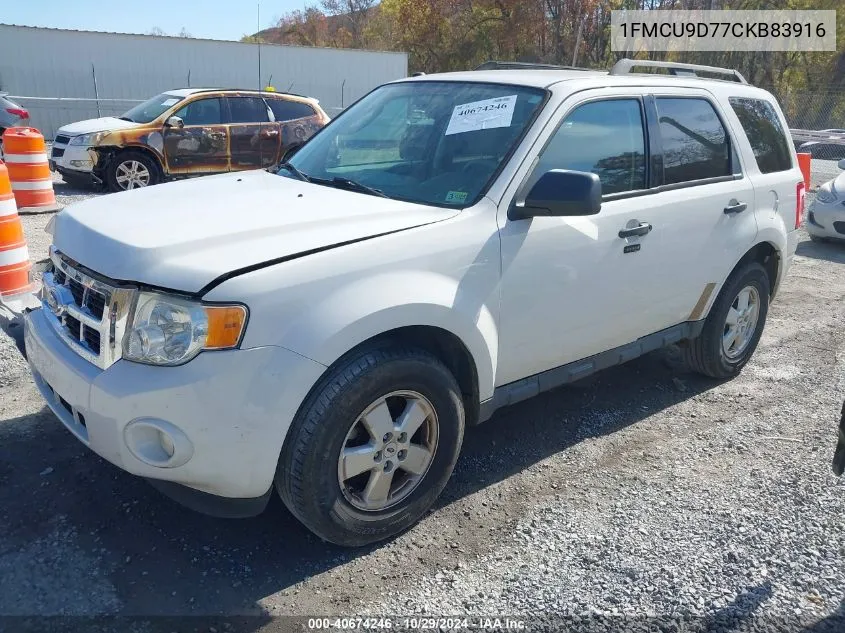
[734, 325]
[132, 170]
[342, 429]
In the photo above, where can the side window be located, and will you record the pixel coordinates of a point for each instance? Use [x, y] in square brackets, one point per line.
[603, 137]
[202, 112]
[765, 133]
[695, 144]
[248, 110]
[285, 110]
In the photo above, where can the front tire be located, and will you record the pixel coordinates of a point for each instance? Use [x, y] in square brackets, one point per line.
[734, 325]
[373, 445]
[132, 170]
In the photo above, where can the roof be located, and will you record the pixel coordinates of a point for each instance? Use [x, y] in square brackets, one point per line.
[589, 79]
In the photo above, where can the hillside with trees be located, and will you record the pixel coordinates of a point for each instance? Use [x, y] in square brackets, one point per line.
[443, 35]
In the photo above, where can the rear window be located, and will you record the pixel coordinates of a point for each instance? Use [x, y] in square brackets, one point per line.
[285, 110]
[765, 133]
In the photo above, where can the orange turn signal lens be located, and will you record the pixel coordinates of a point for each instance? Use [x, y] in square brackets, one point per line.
[225, 326]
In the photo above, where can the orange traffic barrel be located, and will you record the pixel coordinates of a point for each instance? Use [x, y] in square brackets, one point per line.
[26, 159]
[804, 163]
[14, 255]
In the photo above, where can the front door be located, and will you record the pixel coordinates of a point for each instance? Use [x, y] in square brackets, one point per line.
[571, 286]
[255, 139]
[201, 145]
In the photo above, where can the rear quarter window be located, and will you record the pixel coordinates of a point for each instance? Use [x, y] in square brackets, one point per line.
[765, 133]
[285, 110]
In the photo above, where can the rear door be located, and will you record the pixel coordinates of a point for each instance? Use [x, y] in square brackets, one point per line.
[201, 146]
[702, 209]
[254, 138]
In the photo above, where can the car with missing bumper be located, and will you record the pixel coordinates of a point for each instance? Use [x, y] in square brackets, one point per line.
[185, 132]
[449, 245]
[826, 214]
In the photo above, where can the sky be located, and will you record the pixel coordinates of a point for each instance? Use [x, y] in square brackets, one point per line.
[212, 19]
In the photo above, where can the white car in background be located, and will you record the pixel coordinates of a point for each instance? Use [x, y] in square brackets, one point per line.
[826, 217]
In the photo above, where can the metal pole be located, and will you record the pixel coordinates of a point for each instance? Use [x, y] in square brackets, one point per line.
[258, 36]
[96, 90]
[189, 78]
[342, 86]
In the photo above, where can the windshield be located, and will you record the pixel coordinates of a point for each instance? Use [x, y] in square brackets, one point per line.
[424, 141]
[151, 109]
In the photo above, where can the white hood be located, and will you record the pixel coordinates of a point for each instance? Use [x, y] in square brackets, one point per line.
[103, 124]
[184, 235]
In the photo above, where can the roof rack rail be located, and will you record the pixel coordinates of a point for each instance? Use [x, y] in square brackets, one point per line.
[496, 65]
[262, 90]
[625, 66]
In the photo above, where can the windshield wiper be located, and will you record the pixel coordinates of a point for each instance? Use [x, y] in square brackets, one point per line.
[355, 186]
[125, 118]
[292, 170]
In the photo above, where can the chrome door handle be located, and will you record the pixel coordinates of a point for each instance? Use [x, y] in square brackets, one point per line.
[735, 207]
[643, 228]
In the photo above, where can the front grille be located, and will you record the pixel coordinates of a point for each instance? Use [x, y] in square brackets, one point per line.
[92, 339]
[58, 152]
[61, 138]
[840, 227]
[88, 313]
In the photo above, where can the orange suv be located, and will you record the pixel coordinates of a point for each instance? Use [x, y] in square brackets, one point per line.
[185, 132]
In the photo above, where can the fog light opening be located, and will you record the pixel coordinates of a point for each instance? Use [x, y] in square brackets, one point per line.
[157, 443]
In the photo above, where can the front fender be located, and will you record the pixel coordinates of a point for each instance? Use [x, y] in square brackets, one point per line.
[370, 307]
[330, 320]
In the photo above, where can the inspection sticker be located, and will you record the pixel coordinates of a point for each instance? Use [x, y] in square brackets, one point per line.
[482, 115]
[456, 196]
[170, 102]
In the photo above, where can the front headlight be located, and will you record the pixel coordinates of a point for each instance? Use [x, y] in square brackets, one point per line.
[826, 193]
[87, 139]
[170, 330]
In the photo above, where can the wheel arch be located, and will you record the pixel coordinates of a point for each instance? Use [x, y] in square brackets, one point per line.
[107, 154]
[443, 345]
[769, 256]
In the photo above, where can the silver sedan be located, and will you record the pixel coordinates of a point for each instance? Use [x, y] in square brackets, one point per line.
[826, 216]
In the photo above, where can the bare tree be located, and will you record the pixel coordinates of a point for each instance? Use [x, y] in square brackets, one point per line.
[354, 13]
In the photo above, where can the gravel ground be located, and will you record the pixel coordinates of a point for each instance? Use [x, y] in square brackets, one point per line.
[642, 494]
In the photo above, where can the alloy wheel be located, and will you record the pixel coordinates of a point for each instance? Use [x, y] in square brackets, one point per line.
[388, 451]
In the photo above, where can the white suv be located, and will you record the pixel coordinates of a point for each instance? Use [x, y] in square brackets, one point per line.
[449, 245]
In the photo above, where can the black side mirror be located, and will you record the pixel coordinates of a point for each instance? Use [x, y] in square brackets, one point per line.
[560, 192]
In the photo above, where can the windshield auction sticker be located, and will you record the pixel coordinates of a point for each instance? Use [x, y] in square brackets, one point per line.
[482, 115]
[700, 30]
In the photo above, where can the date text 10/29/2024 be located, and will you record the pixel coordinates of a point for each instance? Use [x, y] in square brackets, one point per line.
[417, 623]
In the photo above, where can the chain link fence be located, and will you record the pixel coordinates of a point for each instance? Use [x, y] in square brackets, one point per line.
[817, 123]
